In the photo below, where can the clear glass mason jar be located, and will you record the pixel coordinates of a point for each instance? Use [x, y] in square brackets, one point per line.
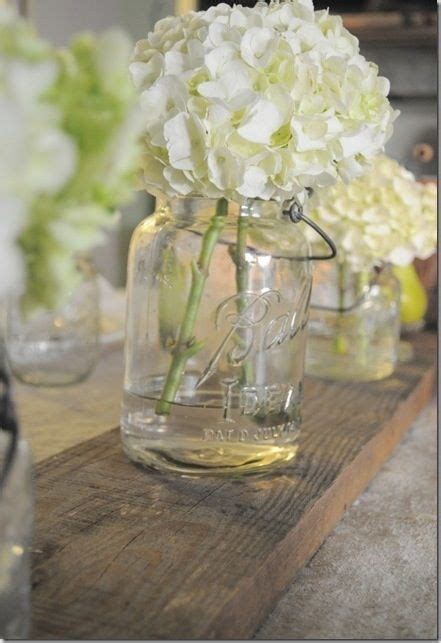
[56, 347]
[16, 520]
[354, 326]
[218, 298]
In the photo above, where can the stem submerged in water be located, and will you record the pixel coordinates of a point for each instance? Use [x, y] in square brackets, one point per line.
[242, 283]
[239, 256]
[340, 343]
[186, 345]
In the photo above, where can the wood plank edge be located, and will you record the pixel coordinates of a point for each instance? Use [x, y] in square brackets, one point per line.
[256, 595]
[41, 466]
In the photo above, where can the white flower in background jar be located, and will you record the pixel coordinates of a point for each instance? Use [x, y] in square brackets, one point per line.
[381, 222]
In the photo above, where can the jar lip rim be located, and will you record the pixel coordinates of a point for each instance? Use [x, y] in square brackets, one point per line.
[248, 208]
[201, 197]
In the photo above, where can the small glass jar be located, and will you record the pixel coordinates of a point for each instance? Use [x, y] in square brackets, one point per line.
[16, 520]
[354, 326]
[218, 298]
[56, 347]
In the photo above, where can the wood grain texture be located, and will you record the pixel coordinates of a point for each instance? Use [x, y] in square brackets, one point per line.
[124, 553]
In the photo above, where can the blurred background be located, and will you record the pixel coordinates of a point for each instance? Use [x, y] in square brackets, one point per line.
[399, 35]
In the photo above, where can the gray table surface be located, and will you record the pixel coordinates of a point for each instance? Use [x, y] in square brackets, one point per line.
[375, 577]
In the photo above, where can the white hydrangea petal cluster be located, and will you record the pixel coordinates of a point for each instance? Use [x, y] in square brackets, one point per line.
[256, 102]
[12, 264]
[41, 157]
[383, 216]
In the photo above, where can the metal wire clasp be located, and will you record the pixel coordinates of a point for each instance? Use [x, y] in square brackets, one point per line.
[296, 214]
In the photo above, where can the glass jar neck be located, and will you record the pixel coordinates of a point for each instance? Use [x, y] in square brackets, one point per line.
[338, 286]
[349, 279]
[190, 207]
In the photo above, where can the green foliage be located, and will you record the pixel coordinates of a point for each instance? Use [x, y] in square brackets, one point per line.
[38, 247]
[86, 99]
[95, 104]
[19, 39]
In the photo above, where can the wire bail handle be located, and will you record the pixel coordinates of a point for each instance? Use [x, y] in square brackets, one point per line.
[296, 214]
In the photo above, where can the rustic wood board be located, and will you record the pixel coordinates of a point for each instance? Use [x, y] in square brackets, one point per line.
[124, 553]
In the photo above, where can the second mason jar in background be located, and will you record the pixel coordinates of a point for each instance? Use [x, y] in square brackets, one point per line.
[354, 324]
[56, 347]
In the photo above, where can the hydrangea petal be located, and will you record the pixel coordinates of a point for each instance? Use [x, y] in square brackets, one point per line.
[261, 123]
[185, 141]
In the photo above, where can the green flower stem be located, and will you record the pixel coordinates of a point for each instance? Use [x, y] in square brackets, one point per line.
[186, 345]
[362, 282]
[340, 343]
[241, 265]
[242, 282]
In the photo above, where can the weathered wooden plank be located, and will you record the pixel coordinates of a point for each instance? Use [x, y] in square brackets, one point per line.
[124, 553]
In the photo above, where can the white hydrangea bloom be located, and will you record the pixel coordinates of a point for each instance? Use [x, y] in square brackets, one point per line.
[41, 157]
[12, 265]
[256, 102]
[383, 216]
